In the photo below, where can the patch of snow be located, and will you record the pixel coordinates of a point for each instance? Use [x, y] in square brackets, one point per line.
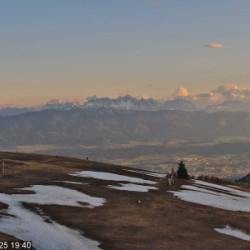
[27, 225]
[215, 198]
[135, 171]
[111, 177]
[159, 175]
[55, 195]
[198, 189]
[228, 189]
[132, 187]
[71, 182]
[233, 232]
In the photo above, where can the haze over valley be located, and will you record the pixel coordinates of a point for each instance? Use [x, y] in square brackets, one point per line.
[135, 132]
[210, 131]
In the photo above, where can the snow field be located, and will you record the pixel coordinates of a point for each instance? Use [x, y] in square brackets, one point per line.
[233, 200]
[29, 226]
[55, 195]
[71, 182]
[111, 177]
[158, 175]
[132, 187]
[233, 232]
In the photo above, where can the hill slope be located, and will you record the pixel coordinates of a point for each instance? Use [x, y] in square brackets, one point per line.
[245, 179]
[115, 207]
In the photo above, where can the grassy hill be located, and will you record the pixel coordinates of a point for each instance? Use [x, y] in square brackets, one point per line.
[155, 219]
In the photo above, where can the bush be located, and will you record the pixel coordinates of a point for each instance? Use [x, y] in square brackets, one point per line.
[182, 171]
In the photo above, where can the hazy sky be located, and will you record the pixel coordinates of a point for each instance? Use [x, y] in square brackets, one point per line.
[78, 48]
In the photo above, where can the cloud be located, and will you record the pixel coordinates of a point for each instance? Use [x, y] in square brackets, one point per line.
[215, 46]
[145, 96]
[233, 92]
[228, 93]
[180, 92]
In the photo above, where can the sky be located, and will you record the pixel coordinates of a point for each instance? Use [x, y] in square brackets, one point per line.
[79, 48]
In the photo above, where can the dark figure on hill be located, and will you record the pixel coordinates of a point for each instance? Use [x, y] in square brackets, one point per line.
[173, 176]
[168, 176]
[182, 171]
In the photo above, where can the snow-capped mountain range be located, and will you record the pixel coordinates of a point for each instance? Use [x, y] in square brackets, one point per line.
[122, 103]
[225, 98]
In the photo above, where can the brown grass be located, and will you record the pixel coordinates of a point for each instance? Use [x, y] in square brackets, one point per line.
[160, 221]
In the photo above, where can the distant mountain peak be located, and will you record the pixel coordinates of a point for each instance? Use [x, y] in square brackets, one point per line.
[143, 103]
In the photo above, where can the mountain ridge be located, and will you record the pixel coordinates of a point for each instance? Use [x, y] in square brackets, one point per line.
[132, 103]
[101, 126]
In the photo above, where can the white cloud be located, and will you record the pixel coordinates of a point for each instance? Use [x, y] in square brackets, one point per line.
[215, 46]
[145, 96]
[232, 92]
[221, 96]
[180, 92]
